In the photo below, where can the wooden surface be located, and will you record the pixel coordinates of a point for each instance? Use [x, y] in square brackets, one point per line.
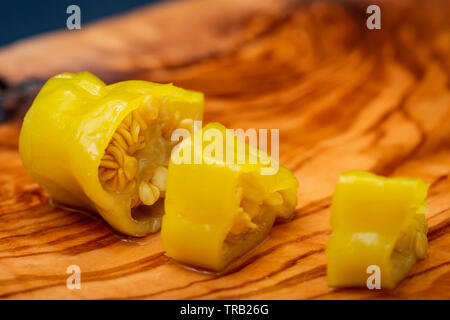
[344, 97]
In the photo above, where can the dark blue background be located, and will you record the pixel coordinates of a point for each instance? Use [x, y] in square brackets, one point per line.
[23, 18]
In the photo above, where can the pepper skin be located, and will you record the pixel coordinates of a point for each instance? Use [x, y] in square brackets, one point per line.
[218, 210]
[376, 221]
[90, 145]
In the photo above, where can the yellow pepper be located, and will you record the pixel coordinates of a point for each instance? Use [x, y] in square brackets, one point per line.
[216, 208]
[106, 147]
[379, 222]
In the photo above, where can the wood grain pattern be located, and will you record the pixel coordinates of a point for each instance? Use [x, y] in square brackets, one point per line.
[344, 97]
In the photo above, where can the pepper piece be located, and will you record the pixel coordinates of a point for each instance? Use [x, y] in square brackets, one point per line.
[217, 210]
[376, 221]
[106, 147]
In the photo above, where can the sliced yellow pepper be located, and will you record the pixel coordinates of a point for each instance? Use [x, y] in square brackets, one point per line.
[217, 209]
[106, 147]
[376, 221]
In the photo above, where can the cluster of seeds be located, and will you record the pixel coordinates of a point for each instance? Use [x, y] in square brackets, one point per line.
[249, 209]
[412, 240]
[151, 191]
[119, 166]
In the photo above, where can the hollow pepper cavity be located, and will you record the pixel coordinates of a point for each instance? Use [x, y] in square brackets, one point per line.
[379, 222]
[106, 147]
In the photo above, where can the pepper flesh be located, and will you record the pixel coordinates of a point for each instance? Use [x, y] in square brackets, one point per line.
[71, 143]
[376, 221]
[217, 210]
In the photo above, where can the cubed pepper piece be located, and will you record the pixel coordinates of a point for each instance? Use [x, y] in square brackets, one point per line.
[218, 209]
[376, 221]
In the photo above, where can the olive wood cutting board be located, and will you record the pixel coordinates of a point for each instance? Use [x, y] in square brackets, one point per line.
[344, 97]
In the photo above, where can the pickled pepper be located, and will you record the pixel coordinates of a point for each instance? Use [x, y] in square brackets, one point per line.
[376, 221]
[218, 209]
[106, 147]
